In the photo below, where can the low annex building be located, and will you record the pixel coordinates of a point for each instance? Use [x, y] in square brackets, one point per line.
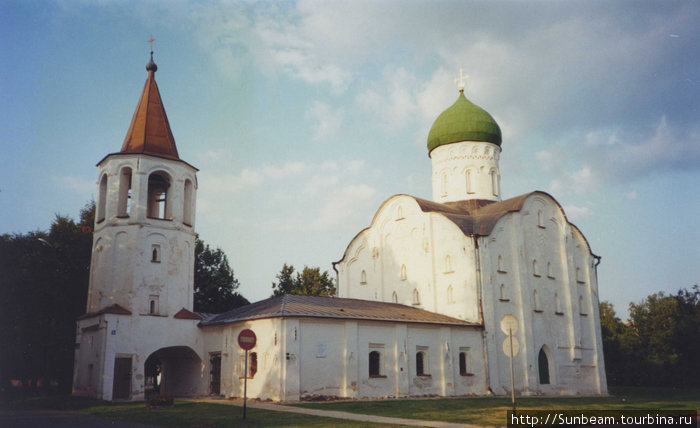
[424, 292]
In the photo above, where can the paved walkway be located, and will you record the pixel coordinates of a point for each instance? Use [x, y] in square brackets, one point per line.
[336, 414]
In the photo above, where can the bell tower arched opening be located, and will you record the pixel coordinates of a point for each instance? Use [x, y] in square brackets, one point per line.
[158, 204]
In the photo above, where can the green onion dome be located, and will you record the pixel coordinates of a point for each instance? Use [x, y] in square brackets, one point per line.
[463, 121]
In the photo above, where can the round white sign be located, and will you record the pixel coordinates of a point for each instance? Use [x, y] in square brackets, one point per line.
[506, 347]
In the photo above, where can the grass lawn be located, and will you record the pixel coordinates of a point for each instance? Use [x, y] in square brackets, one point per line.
[182, 414]
[492, 410]
[473, 410]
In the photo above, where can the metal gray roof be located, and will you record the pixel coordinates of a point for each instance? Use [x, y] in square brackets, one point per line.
[294, 306]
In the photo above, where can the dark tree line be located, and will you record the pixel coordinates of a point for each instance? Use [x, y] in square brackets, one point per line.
[659, 345]
[44, 280]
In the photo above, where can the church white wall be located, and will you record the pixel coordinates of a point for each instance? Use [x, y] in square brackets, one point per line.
[466, 170]
[535, 255]
[413, 258]
[331, 358]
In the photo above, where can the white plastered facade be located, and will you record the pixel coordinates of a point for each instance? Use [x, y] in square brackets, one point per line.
[533, 265]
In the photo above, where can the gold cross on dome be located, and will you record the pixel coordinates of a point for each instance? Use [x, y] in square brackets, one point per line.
[151, 40]
[460, 80]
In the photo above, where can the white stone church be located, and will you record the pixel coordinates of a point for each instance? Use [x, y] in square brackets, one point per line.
[426, 293]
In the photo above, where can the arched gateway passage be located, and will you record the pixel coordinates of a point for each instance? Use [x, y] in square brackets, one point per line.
[175, 370]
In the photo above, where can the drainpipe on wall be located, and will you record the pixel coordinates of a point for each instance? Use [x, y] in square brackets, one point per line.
[337, 279]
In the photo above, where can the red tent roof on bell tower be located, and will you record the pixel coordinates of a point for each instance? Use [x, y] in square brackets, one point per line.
[149, 132]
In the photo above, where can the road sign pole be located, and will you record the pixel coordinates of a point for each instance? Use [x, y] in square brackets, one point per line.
[245, 383]
[512, 382]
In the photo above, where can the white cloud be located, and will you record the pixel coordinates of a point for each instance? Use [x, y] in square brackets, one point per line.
[355, 166]
[222, 184]
[393, 101]
[342, 205]
[327, 122]
[284, 170]
[78, 185]
[582, 181]
[329, 166]
[575, 213]
[317, 183]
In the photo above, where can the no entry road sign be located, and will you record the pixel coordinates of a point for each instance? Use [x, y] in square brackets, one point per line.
[247, 339]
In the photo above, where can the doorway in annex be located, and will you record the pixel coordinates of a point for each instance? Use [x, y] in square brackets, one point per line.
[175, 370]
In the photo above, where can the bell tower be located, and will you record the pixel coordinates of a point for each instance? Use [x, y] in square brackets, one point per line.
[140, 299]
[143, 252]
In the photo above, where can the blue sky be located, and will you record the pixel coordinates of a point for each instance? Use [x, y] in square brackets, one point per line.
[304, 116]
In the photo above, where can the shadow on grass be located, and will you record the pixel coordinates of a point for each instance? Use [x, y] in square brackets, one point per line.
[181, 415]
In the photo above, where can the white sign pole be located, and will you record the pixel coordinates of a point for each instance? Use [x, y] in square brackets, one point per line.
[512, 383]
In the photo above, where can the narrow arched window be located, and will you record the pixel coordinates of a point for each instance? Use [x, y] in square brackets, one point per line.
[494, 182]
[252, 364]
[399, 213]
[550, 272]
[465, 361]
[448, 264]
[403, 273]
[535, 272]
[124, 205]
[540, 219]
[187, 216]
[153, 304]
[443, 184]
[158, 206]
[543, 366]
[375, 360]
[155, 253]
[420, 369]
[557, 304]
[394, 297]
[416, 297]
[501, 268]
[536, 301]
[503, 296]
[450, 295]
[363, 277]
[469, 181]
[582, 306]
[102, 199]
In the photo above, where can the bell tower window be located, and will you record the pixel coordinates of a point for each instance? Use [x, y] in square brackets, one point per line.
[158, 204]
[187, 214]
[155, 253]
[102, 204]
[124, 207]
[153, 304]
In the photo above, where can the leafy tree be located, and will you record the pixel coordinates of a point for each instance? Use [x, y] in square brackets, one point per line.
[660, 344]
[310, 282]
[44, 285]
[615, 335]
[214, 284]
